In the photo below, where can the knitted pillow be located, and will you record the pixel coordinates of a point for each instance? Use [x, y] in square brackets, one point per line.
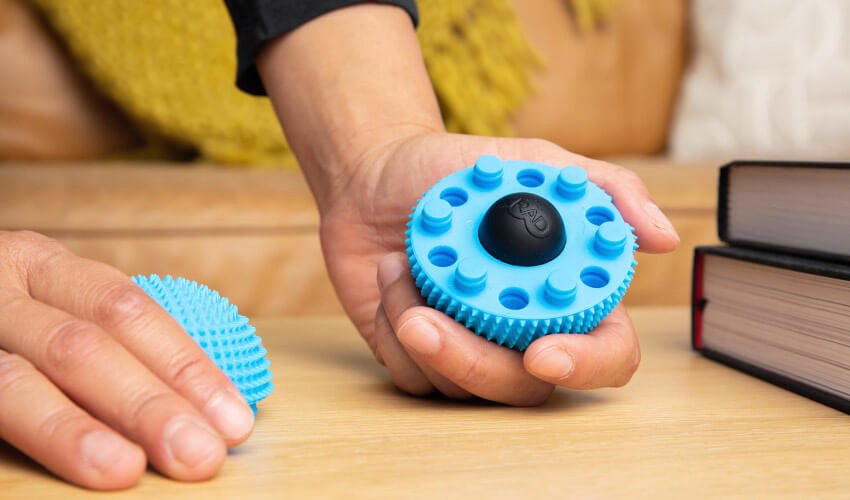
[769, 78]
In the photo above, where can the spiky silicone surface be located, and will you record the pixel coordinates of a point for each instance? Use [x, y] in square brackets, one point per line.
[509, 304]
[216, 325]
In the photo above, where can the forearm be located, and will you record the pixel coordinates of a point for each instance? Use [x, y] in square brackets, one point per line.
[344, 85]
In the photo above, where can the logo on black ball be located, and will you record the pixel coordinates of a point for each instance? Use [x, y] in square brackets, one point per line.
[522, 229]
[527, 210]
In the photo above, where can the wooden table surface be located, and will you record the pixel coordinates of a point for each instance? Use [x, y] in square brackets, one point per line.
[335, 427]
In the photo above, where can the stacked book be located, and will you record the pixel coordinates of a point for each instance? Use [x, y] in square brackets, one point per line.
[776, 302]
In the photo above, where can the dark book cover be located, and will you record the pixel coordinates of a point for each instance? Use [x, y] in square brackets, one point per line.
[723, 207]
[794, 263]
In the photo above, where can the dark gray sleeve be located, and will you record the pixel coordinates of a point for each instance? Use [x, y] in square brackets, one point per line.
[258, 21]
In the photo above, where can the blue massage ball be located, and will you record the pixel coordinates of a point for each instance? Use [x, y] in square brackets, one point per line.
[216, 325]
[517, 250]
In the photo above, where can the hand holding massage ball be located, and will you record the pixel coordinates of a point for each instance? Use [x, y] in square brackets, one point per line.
[516, 250]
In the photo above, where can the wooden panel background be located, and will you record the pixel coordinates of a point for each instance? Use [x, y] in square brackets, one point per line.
[253, 234]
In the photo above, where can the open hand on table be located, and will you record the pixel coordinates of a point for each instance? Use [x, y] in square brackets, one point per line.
[96, 379]
[363, 233]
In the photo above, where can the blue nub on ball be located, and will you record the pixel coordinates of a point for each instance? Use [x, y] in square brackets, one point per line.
[216, 325]
[517, 250]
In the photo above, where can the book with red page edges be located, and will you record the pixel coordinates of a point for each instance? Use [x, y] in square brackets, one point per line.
[779, 317]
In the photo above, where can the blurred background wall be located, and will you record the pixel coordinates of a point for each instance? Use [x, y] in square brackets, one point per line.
[109, 149]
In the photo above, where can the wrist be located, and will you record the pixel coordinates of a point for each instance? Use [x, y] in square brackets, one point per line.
[356, 162]
[346, 86]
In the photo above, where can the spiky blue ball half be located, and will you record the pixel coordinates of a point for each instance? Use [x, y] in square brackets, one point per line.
[216, 325]
[513, 304]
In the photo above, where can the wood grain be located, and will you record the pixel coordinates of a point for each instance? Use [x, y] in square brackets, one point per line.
[685, 427]
[262, 272]
[159, 198]
[253, 234]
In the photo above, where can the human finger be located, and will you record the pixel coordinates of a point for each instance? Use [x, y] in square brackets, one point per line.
[390, 269]
[473, 363]
[43, 423]
[100, 294]
[654, 231]
[607, 356]
[112, 385]
[405, 373]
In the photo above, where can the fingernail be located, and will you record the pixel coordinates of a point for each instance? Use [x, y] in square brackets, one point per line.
[230, 415]
[552, 363]
[659, 220]
[190, 442]
[420, 335]
[101, 450]
[389, 270]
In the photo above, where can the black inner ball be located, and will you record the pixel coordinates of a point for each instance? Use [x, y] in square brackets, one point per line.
[522, 229]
